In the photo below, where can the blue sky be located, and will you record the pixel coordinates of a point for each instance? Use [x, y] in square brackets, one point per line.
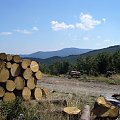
[27, 26]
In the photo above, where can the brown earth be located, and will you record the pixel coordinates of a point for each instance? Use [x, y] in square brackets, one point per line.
[65, 85]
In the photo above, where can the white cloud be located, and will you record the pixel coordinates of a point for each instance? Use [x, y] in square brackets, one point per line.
[103, 19]
[24, 31]
[60, 26]
[107, 40]
[35, 28]
[87, 22]
[85, 38]
[5, 33]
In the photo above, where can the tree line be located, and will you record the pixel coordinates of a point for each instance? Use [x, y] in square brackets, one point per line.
[90, 65]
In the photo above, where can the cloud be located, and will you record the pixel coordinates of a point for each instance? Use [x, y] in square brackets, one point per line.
[5, 33]
[103, 19]
[85, 38]
[60, 26]
[35, 28]
[87, 22]
[24, 31]
[107, 40]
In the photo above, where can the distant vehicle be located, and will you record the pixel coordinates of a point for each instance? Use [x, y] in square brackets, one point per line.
[74, 74]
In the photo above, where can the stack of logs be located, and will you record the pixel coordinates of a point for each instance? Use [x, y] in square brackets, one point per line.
[18, 77]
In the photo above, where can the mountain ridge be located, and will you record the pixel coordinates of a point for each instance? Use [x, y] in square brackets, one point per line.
[60, 53]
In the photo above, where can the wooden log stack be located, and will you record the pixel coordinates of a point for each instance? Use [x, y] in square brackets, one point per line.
[18, 77]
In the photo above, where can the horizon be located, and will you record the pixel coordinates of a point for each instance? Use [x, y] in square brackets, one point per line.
[30, 26]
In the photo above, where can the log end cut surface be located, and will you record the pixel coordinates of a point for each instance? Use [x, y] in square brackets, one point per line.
[71, 110]
[9, 97]
[38, 93]
[34, 66]
[26, 93]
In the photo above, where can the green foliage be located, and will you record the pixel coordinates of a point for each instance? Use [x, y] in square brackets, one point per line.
[16, 110]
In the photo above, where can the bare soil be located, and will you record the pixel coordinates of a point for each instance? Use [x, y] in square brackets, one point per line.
[65, 85]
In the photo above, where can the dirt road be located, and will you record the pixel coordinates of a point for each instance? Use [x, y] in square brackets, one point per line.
[66, 85]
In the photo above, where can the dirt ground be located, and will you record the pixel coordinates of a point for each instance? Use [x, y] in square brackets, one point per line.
[65, 85]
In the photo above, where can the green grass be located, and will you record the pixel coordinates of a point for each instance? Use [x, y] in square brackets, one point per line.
[114, 79]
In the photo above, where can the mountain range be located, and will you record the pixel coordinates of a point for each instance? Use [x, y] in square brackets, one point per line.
[60, 53]
[72, 57]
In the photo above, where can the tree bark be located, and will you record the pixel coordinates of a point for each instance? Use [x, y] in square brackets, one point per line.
[85, 113]
[15, 70]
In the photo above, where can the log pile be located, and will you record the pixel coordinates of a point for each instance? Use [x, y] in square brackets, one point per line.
[18, 77]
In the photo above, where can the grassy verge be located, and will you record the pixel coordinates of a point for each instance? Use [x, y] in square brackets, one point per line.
[114, 79]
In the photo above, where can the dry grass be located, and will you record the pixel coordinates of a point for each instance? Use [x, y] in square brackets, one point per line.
[114, 79]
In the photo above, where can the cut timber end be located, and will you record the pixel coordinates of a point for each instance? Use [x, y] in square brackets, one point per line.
[71, 110]
[15, 70]
[25, 63]
[9, 97]
[38, 93]
[31, 83]
[19, 83]
[27, 73]
[10, 85]
[4, 75]
[34, 66]
[8, 65]
[16, 58]
[26, 93]
[9, 57]
[2, 64]
[2, 91]
[3, 56]
[38, 75]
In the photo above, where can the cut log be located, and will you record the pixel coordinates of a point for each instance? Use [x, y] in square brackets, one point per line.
[26, 63]
[72, 113]
[9, 97]
[34, 66]
[16, 58]
[27, 73]
[85, 115]
[31, 83]
[8, 65]
[19, 83]
[38, 75]
[3, 56]
[38, 93]
[10, 85]
[15, 70]
[9, 57]
[2, 91]
[2, 64]
[4, 75]
[26, 93]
